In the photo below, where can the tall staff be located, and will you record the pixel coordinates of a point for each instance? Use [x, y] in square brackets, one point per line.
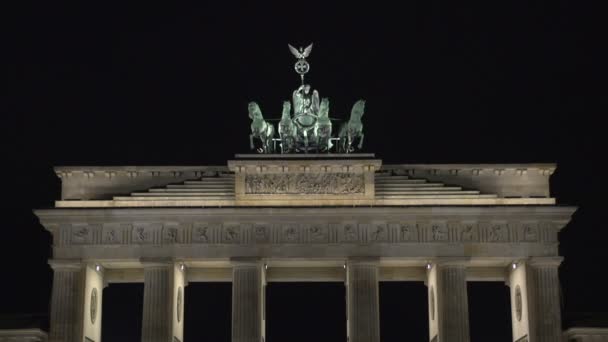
[302, 67]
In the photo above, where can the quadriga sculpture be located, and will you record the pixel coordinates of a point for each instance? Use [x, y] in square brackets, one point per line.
[287, 130]
[260, 129]
[353, 129]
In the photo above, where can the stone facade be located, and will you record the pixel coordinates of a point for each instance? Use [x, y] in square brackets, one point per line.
[23, 335]
[265, 219]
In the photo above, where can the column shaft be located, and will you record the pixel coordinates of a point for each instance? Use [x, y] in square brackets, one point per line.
[363, 306]
[247, 306]
[156, 325]
[66, 304]
[545, 313]
[453, 304]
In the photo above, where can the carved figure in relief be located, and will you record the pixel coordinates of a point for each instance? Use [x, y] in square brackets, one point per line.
[111, 236]
[405, 232]
[439, 233]
[317, 233]
[467, 233]
[231, 234]
[260, 233]
[171, 235]
[140, 234]
[350, 183]
[291, 235]
[496, 233]
[350, 232]
[378, 233]
[301, 183]
[81, 234]
[201, 234]
[529, 233]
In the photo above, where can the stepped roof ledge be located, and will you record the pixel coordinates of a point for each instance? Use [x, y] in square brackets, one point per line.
[380, 185]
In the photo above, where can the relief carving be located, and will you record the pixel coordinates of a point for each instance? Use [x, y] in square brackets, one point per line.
[468, 232]
[530, 232]
[290, 233]
[81, 234]
[350, 232]
[260, 233]
[142, 235]
[439, 232]
[232, 234]
[201, 234]
[93, 306]
[378, 233]
[318, 233]
[110, 236]
[518, 303]
[170, 234]
[497, 233]
[304, 183]
[407, 231]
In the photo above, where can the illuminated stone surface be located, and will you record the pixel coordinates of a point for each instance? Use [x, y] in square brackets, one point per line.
[266, 218]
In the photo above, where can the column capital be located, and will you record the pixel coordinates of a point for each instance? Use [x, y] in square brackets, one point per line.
[66, 264]
[545, 261]
[157, 262]
[245, 262]
[451, 262]
[370, 261]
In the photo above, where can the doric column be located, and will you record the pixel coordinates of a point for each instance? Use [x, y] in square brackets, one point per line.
[164, 282]
[66, 300]
[76, 301]
[448, 302]
[247, 300]
[362, 306]
[535, 301]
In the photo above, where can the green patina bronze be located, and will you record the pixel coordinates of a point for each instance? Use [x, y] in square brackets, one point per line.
[353, 129]
[305, 125]
[260, 129]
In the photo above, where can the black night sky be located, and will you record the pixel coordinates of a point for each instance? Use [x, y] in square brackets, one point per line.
[445, 82]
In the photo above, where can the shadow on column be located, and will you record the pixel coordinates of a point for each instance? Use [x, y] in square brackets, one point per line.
[403, 311]
[489, 312]
[122, 312]
[207, 312]
[304, 312]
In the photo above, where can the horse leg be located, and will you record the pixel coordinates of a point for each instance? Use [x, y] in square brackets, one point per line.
[361, 141]
[251, 141]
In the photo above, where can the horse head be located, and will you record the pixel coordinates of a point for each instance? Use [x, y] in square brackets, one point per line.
[255, 113]
[286, 110]
[324, 108]
[357, 112]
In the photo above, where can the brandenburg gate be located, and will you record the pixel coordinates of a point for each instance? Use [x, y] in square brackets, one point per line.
[313, 210]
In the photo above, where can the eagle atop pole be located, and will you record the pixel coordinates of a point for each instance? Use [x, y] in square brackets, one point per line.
[301, 65]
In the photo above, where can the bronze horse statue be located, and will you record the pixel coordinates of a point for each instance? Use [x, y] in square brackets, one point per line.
[287, 130]
[260, 129]
[322, 130]
[353, 129]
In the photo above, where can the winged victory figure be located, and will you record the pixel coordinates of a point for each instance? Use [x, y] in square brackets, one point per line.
[302, 53]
